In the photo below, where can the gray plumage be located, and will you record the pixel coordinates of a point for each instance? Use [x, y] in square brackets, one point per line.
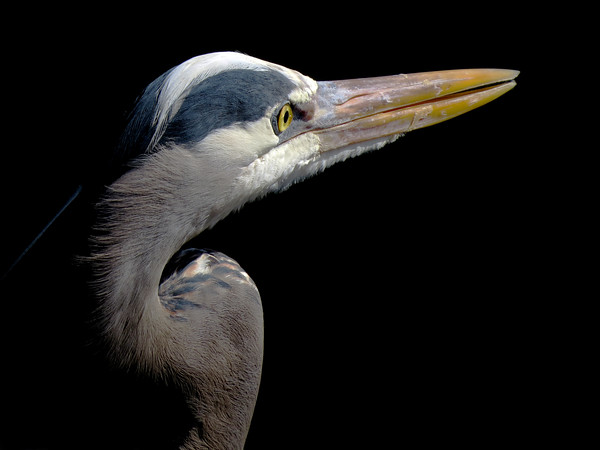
[169, 336]
[205, 138]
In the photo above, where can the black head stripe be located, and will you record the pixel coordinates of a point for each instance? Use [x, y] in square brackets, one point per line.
[224, 99]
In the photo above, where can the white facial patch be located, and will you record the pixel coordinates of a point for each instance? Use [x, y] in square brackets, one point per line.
[241, 143]
[278, 169]
[294, 161]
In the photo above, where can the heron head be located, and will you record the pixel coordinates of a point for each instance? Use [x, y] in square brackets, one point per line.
[252, 127]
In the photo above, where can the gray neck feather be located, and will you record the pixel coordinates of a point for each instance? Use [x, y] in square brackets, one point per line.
[145, 217]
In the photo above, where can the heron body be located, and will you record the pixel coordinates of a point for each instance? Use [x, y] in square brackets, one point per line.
[205, 138]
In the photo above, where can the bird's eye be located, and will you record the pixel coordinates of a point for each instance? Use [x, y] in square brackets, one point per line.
[285, 117]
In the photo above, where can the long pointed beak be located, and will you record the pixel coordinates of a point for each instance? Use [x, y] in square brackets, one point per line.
[371, 110]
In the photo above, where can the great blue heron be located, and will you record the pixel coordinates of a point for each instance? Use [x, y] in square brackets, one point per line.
[205, 138]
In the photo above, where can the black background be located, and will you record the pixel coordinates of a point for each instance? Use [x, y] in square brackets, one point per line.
[399, 288]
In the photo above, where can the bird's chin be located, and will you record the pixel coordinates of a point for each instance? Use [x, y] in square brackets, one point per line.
[276, 170]
[330, 156]
[320, 158]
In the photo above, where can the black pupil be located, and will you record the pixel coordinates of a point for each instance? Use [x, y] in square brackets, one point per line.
[286, 116]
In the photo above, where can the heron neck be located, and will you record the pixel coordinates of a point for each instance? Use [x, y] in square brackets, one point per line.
[143, 221]
[145, 218]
